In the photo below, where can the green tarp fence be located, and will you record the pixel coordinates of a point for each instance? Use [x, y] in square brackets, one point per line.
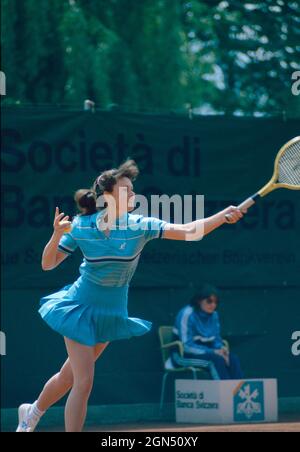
[47, 154]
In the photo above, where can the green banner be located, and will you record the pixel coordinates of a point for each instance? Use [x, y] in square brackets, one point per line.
[48, 154]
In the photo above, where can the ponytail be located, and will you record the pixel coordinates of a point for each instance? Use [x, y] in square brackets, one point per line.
[86, 201]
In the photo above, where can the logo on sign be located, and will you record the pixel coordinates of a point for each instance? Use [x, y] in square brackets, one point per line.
[249, 402]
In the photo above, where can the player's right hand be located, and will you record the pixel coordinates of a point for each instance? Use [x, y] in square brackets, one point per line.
[233, 214]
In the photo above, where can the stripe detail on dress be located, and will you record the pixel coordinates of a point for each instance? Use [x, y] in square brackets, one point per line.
[112, 259]
[65, 249]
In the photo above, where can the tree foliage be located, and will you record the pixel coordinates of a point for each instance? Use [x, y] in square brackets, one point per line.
[219, 56]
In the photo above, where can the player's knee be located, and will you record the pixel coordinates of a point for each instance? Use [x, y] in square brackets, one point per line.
[84, 384]
[65, 379]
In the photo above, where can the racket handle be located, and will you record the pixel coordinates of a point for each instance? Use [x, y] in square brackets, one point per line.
[245, 205]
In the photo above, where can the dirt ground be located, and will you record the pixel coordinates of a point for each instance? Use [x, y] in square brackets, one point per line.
[287, 424]
[282, 427]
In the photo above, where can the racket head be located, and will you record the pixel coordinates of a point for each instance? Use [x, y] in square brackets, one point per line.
[286, 168]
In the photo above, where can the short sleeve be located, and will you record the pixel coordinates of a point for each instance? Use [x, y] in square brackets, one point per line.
[67, 244]
[153, 228]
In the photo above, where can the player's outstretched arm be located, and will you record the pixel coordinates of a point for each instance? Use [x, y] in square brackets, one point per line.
[196, 230]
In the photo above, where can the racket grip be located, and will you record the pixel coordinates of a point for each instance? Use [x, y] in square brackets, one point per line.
[248, 203]
[245, 205]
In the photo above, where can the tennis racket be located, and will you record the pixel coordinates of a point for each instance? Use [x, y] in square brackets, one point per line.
[286, 173]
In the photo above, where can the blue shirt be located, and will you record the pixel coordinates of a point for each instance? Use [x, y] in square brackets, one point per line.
[198, 331]
[110, 261]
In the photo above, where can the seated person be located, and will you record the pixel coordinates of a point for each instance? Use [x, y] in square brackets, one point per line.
[197, 326]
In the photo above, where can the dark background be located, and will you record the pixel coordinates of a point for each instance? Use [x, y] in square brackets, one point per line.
[47, 155]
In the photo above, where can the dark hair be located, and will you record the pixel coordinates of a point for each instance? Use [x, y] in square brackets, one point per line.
[86, 201]
[204, 292]
[108, 179]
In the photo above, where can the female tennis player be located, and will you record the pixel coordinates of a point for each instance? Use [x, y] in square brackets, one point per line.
[92, 311]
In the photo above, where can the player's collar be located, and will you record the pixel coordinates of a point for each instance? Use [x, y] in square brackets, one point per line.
[122, 220]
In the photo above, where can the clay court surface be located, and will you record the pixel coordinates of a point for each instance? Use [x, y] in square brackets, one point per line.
[174, 428]
[287, 424]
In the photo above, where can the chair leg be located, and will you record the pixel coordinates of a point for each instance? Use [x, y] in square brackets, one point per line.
[162, 396]
[194, 374]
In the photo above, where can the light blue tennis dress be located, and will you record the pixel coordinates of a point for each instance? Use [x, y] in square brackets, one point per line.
[94, 308]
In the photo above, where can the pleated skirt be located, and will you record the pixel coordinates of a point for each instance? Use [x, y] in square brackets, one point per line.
[89, 313]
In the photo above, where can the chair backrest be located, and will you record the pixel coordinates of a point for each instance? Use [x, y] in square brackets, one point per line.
[165, 336]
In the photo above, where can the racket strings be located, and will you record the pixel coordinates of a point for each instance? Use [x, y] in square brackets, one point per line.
[289, 165]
